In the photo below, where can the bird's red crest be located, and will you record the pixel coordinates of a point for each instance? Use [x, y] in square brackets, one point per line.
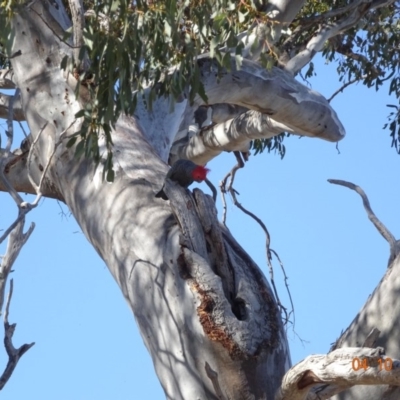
[199, 174]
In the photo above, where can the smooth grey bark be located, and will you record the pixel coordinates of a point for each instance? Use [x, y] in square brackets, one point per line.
[381, 312]
[207, 338]
[284, 11]
[277, 102]
[4, 107]
[206, 313]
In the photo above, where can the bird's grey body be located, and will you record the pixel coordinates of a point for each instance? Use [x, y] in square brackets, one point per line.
[182, 172]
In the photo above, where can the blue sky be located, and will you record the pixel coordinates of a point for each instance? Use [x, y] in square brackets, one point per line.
[87, 343]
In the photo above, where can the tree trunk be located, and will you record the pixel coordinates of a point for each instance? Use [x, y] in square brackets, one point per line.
[381, 312]
[205, 311]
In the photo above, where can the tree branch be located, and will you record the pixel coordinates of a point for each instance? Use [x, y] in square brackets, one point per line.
[284, 11]
[229, 188]
[7, 79]
[357, 9]
[14, 354]
[16, 171]
[344, 86]
[78, 23]
[329, 14]
[277, 102]
[5, 101]
[15, 243]
[387, 235]
[17, 239]
[322, 376]
[233, 135]
[341, 49]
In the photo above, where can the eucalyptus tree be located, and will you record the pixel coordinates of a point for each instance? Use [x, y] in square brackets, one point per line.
[114, 91]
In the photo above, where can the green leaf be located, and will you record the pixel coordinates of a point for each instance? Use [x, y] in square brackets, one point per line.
[64, 63]
[71, 142]
[80, 113]
[226, 61]
[219, 21]
[110, 175]
[80, 149]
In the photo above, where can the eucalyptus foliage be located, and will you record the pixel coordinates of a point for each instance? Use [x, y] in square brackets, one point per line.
[151, 47]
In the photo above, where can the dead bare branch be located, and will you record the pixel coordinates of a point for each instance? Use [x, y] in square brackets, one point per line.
[387, 235]
[15, 243]
[344, 87]
[224, 188]
[7, 79]
[18, 114]
[213, 189]
[13, 193]
[51, 151]
[14, 354]
[16, 54]
[222, 185]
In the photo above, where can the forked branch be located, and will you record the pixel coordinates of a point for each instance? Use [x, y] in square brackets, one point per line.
[14, 354]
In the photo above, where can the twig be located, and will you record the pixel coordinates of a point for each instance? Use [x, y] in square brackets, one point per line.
[269, 251]
[224, 207]
[25, 207]
[50, 157]
[14, 224]
[285, 278]
[387, 235]
[23, 129]
[13, 193]
[344, 87]
[212, 187]
[267, 246]
[16, 241]
[222, 184]
[15, 54]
